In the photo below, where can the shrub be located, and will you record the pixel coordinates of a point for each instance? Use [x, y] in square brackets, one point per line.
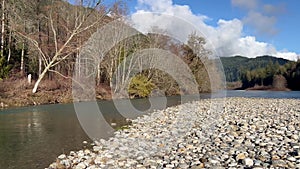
[140, 86]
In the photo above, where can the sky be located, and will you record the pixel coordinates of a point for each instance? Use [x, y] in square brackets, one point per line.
[235, 27]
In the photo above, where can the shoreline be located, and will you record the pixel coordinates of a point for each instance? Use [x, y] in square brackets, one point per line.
[40, 98]
[251, 132]
[18, 92]
[51, 99]
[262, 88]
[268, 88]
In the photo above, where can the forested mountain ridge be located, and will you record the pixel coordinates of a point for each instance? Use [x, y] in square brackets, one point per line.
[235, 65]
[264, 72]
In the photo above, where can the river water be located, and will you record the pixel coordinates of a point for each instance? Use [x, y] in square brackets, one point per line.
[32, 137]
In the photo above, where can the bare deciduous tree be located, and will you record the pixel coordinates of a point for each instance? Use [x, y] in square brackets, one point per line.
[2, 26]
[62, 32]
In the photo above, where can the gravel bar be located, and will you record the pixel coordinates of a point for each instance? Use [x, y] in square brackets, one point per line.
[248, 133]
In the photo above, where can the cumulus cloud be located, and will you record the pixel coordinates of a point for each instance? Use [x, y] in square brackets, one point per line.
[227, 38]
[261, 17]
[263, 24]
[288, 55]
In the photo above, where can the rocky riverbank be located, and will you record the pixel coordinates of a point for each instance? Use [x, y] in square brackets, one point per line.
[249, 133]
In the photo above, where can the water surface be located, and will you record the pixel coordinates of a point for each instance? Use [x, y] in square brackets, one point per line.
[32, 137]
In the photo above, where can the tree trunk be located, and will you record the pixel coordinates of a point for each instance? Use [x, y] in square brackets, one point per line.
[40, 65]
[39, 35]
[79, 63]
[2, 27]
[98, 74]
[9, 46]
[41, 76]
[36, 85]
[22, 58]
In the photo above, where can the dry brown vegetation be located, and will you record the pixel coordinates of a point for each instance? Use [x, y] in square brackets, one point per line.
[17, 92]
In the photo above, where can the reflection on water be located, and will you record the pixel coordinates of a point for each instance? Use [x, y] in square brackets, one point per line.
[32, 137]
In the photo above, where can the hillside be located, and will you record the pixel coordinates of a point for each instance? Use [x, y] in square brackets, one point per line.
[42, 55]
[234, 66]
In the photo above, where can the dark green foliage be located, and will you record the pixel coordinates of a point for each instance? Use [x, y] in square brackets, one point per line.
[262, 76]
[4, 68]
[235, 66]
[275, 75]
[293, 75]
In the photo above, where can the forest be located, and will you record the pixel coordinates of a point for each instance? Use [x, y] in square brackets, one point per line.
[264, 72]
[43, 38]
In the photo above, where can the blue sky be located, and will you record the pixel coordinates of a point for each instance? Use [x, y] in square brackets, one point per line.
[245, 27]
[287, 24]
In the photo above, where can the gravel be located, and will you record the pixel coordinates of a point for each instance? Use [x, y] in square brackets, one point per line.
[248, 133]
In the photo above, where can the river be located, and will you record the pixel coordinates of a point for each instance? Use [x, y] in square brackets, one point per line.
[32, 137]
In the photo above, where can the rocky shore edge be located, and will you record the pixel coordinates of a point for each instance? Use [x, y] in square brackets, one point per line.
[248, 133]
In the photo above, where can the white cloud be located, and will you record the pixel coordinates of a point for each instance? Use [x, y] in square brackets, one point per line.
[227, 37]
[262, 17]
[262, 24]
[250, 47]
[274, 9]
[247, 4]
[158, 6]
[288, 55]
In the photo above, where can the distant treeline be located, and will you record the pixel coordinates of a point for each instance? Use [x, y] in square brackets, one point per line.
[269, 71]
